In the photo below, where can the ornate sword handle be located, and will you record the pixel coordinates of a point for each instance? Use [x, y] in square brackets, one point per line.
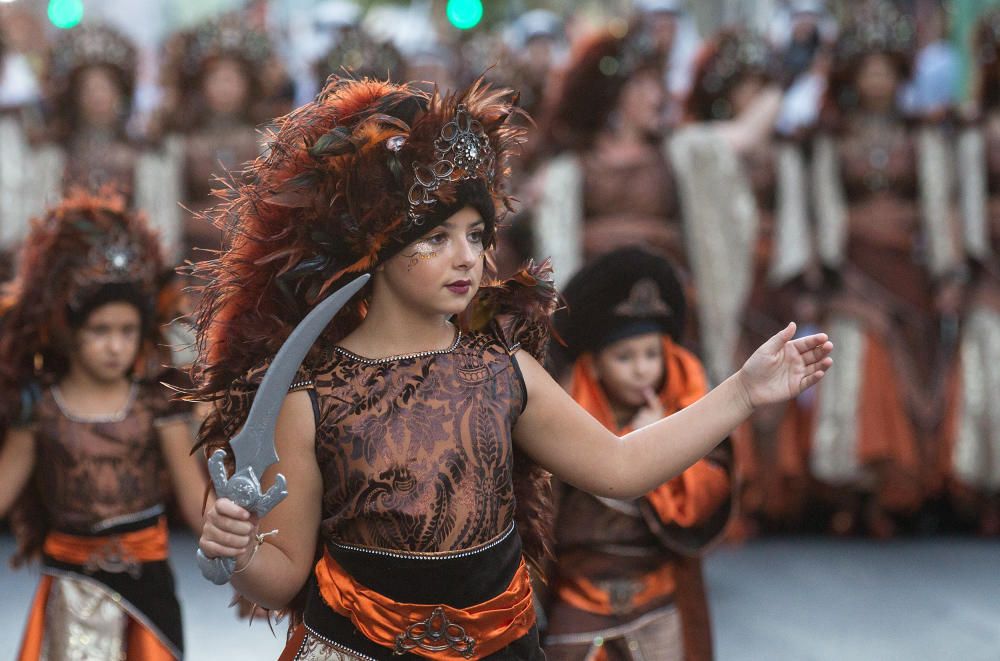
[243, 488]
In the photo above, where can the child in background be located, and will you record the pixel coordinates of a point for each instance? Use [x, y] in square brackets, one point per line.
[627, 581]
[89, 433]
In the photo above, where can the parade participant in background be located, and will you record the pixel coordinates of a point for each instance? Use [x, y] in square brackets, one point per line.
[90, 84]
[20, 94]
[971, 457]
[89, 434]
[675, 33]
[616, 180]
[804, 39]
[534, 44]
[627, 580]
[360, 55]
[214, 89]
[409, 443]
[882, 195]
[733, 73]
[606, 182]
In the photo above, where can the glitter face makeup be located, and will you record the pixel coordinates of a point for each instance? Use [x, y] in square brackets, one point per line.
[422, 251]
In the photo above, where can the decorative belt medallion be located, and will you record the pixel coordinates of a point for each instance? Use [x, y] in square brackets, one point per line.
[436, 634]
[114, 559]
[621, 594]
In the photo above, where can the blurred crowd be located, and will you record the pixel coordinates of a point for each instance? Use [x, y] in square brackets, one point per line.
[841, 169]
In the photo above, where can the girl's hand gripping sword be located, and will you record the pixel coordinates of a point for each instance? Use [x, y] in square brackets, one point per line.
[253, 447]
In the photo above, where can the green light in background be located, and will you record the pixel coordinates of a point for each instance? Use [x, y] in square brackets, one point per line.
[65, 14]
[464, 14]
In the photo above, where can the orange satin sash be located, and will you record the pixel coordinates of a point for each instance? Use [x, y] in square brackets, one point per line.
[110, 551]
[430, 630]
[582, 593]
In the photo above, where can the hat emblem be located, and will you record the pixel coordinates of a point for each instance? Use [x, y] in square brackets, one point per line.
[643, 300]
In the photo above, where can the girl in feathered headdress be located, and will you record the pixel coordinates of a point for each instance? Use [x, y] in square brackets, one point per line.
[414, 437]
[89, 432]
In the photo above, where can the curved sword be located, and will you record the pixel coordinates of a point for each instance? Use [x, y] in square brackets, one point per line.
[253, 447]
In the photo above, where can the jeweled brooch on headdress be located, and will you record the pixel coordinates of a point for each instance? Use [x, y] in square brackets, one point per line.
[462, 151]
[115, 258]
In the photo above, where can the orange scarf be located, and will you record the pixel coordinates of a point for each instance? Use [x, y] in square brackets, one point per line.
[684, 385]
[686, 500]
[695, 494]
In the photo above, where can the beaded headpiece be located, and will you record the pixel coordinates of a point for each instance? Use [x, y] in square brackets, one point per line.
[881, 28]
[462, 151]
[226, 37]
[91, 45]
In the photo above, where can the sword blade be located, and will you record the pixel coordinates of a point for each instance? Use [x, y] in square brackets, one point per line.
[253, 446]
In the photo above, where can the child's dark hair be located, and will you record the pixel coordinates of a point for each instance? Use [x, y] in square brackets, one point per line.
[113, 292]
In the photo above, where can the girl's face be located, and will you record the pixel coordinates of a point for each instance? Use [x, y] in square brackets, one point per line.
[100, 99]
[225, 86]
[629, 367]
[107, 344]
[745, 92]
[440, 272]
[642, 102]
[877, 81]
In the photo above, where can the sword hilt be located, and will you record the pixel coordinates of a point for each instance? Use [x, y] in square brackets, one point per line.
[244, 489]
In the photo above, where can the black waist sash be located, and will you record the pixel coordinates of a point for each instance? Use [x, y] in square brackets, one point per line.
[461, 580]
[151, 594]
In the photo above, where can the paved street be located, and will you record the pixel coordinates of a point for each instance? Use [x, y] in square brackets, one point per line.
[801, 599]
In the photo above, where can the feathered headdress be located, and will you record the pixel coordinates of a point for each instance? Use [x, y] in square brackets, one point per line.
[880, 29]
[348, 180]
[79, 248]
[724, 61]
[81, 48]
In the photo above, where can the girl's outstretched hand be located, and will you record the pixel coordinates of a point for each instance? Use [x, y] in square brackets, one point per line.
[782, 368]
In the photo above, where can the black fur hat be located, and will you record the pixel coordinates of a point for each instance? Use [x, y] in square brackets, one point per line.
[626, 292]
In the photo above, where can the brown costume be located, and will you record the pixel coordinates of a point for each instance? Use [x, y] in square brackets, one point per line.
[970, 457]
[882, 193]
[94, 506]
[422, 485]
[627, 580]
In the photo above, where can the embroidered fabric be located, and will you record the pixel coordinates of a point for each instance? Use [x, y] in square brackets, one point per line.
[101, 469]
[415, 452]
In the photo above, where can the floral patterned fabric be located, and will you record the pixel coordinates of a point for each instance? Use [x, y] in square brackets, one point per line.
[416, 453]
[91, 471]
